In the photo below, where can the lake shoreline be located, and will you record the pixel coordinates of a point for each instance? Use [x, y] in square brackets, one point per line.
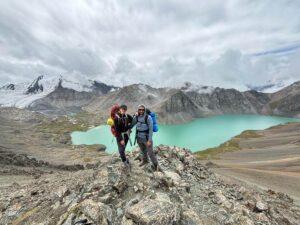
[210, 132]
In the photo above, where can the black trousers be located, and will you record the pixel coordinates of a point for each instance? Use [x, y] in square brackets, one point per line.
[122, 148]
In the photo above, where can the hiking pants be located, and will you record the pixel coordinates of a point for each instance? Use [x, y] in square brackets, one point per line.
[122, 148]
[147, 151]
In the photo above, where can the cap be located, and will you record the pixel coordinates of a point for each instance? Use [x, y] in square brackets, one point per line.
[123, 107]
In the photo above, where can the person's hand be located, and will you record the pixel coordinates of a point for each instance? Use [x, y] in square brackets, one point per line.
[122, 142]
[149, 143]
[136, 113]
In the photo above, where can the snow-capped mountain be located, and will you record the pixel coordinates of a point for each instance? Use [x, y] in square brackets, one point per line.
[60, 96]
[25, 94]
[272, 86]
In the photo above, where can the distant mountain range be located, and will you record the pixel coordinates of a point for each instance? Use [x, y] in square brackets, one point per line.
[60, 96]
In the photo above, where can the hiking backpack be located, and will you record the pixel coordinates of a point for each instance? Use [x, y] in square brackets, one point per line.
[110, 121]
[153, 116]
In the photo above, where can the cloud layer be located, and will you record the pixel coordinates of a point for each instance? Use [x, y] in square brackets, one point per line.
[164, 43]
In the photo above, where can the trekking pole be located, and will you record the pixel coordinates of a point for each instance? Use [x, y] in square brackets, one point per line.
[128, 133]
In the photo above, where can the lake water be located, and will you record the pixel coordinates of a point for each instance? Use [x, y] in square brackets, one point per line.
[197, 135]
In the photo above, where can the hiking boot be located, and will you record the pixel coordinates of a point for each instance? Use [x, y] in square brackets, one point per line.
[128, 165]
[156, 168]
[144, 162]
[138, 158]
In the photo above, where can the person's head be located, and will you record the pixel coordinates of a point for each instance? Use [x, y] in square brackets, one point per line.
[141, 109]
[123, 109]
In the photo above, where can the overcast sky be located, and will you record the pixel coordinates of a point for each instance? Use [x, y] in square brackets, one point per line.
[232, 43]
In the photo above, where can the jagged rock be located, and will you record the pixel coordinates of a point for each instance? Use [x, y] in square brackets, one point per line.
[179, 168]
[218, 197]
[135, 188]
[173, 177]
[62, 191]
[126, 221]
[104, 194]
[106, 198]
[189, 217]
[261, 206]
[154, 212]
[120, 186]
[35, 86]
[202, 175]
[101, 148]
[98, 212]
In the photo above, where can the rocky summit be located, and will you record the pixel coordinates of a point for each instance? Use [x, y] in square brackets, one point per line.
[184, 192]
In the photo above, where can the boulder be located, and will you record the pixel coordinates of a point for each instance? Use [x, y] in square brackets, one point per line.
[101, 148]
[98, 212]
[261, 206]
[173, 177]
[189, 217]
[153, 211]
[218, 197]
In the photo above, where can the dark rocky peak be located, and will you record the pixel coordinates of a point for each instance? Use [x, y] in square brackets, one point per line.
[102, 87]
[59, 85]
[9, 87]
[186, 86]
[35, 86]
[219, 89]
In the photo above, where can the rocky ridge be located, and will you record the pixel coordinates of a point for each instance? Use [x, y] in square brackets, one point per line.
[174, 105]
[186, 192]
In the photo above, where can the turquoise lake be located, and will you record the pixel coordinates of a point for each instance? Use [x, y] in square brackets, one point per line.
[197, 135]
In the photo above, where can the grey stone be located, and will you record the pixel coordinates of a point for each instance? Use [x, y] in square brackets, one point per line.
[152, 212]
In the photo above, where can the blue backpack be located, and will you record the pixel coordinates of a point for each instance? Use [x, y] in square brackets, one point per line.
[153, 116]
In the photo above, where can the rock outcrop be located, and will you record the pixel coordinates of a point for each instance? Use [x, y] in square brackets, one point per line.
[35, 86]
[285, 102]
[185, 192]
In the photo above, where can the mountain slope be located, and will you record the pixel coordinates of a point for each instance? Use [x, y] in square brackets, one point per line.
[62, 101]
[285, 102]
[184, 104]
[131, 95]
[178, 108]
[171, 105]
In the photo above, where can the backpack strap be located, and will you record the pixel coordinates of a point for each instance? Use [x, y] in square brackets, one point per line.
[126, 120]
[145, 119]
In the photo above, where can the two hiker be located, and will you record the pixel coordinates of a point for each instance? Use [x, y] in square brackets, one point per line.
[123, 123]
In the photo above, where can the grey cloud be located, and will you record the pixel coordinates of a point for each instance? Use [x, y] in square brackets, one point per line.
[157, 42]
